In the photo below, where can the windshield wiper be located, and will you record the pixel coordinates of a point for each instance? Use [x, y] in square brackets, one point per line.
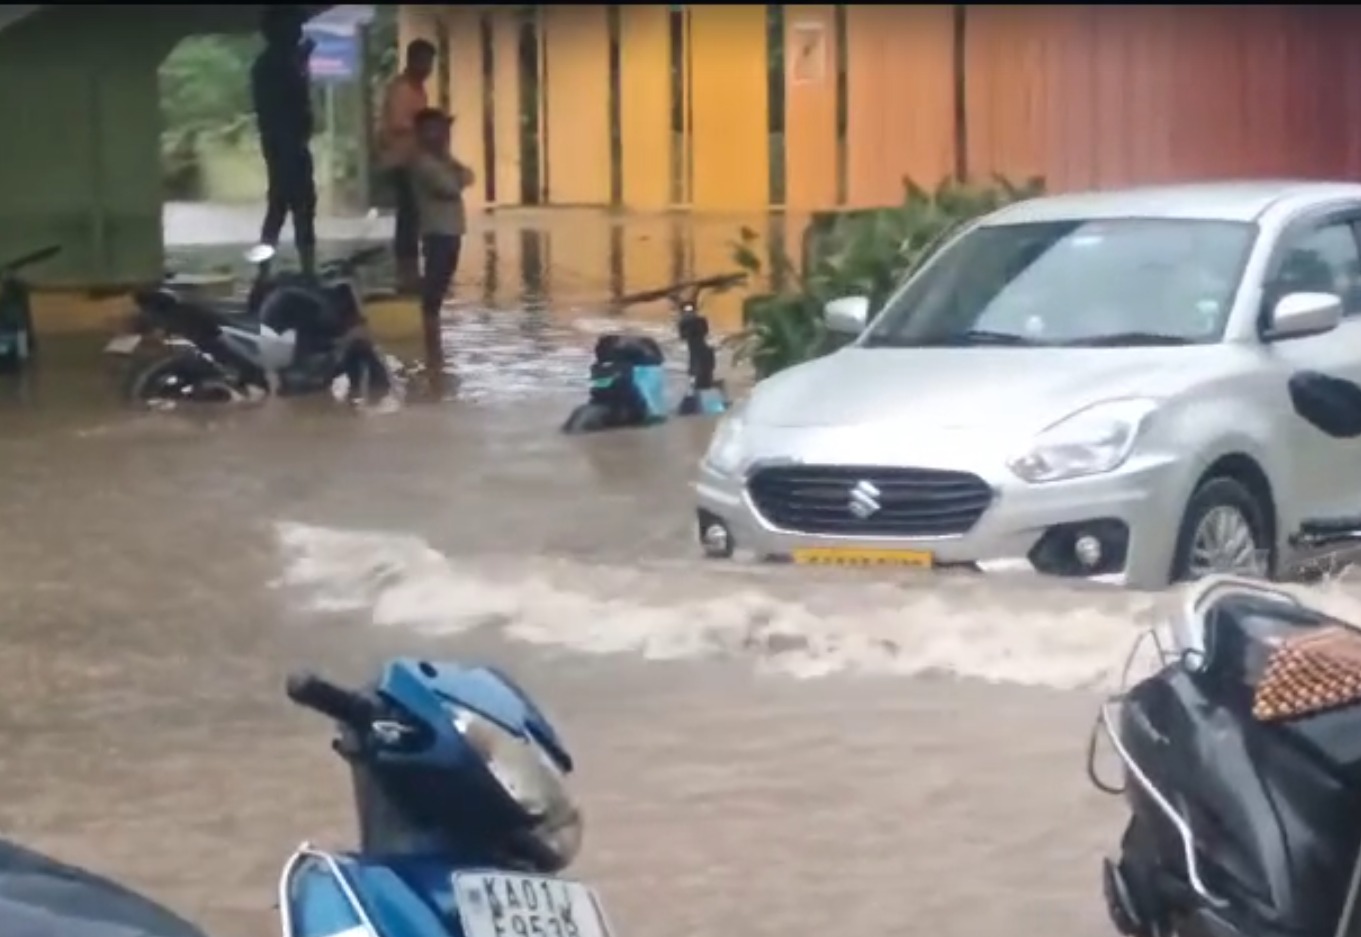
[1130, 339]
[958, 340]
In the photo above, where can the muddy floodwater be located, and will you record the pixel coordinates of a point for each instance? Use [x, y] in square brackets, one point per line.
[761, 750]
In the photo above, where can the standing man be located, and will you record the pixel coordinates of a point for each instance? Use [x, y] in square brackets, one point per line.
[404, 99]
[282, 94]
[438, 181]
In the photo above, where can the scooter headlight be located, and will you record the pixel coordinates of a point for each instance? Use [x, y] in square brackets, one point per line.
[530, 778]
[520, 765]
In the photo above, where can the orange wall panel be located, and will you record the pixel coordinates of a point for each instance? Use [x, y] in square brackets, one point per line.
[577, 109]
[1103, 96]
[730, 128]
[645, 105]
[810, 106]
[505, 37]
[900, 99]
[462, 26]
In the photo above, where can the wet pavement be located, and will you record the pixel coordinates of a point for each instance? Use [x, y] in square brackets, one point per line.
[761, 749]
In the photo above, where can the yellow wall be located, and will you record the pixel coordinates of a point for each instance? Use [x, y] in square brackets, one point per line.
[577, 109]
[462, 26]
[810, 106]
[730, 138]
[506, 103]
[900, 85]
[645, 105]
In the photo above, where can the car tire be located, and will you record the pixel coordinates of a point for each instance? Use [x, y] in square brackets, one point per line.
[1220, 494]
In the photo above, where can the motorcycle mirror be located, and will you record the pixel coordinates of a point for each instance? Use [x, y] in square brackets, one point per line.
[260, 253]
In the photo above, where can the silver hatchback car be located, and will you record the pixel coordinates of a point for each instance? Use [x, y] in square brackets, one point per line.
[1095, 383]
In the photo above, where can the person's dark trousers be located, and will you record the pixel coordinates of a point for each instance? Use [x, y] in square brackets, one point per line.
[292, 191]
[406, 247]
[441, 263]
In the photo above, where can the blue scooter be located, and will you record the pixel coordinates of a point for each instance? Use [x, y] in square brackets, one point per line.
[628, 382]
[463, 814]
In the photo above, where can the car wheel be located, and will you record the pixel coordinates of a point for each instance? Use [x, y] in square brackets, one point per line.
[1224, 530]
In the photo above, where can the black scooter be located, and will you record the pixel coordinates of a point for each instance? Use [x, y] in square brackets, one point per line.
[627, 380]
[18, 341]
[1242, 753]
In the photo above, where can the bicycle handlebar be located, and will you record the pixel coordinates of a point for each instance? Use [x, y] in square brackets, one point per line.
[676, 292]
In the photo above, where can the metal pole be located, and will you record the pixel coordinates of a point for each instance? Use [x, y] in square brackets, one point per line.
[332, 148]
[364, 114]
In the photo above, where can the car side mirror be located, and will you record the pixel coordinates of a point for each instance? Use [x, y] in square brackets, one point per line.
[1297, 315]
[847, 315]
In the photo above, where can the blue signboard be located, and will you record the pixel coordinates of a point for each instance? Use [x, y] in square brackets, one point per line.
[335, 55]
[335, 43]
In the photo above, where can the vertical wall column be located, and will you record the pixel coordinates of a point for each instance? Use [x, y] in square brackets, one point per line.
[462, 29]
[810, 131]
[505, 99]
[729, 126]
[576, 102]
[645, 105]
[901, 94]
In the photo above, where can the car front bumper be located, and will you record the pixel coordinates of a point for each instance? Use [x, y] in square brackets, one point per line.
[1146, 496]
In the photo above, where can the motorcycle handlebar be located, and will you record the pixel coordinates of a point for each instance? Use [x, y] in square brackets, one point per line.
[359, 258]
[348, 707]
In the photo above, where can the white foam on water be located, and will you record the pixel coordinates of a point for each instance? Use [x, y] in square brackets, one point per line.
[1009, 629]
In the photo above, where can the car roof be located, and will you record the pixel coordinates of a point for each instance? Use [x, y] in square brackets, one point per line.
[1207, 201]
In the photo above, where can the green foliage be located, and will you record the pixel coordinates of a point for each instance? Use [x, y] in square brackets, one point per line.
[205, 92]
[858, 253]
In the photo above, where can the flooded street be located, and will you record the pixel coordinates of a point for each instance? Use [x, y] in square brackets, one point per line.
[761, 749]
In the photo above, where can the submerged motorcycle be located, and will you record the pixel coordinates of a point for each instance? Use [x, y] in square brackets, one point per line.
[293, 335]
[464, 817]
[628, 381]
[1242, 753]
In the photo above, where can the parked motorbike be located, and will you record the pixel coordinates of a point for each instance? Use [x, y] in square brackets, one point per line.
[628, 380]
[293, 335]
[18, 342]
[464, 818]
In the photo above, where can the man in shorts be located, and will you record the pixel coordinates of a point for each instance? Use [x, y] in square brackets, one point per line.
[404, 99]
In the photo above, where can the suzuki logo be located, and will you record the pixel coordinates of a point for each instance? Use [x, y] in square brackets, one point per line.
[864, 502]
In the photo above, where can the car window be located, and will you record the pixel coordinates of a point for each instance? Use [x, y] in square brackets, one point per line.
[1321, 260]
[1099, 281]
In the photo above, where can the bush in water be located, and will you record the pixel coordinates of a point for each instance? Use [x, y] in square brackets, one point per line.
[858, 253]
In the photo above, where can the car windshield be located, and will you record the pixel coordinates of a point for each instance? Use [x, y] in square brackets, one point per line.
[1099, 283]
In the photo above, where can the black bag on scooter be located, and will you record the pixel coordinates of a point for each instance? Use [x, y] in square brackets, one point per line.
[1274, 806]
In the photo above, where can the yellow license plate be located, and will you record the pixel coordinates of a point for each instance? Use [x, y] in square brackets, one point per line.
[834, 556]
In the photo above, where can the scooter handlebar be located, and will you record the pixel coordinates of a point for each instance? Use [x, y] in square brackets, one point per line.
[321, 695]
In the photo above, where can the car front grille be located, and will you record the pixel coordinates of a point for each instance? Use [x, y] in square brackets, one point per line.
[852, 501]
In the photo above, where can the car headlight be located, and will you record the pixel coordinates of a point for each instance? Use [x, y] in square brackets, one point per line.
[1092, 441]
[520, 765]
[725, 448]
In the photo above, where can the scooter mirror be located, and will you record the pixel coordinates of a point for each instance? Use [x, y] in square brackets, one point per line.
[260, 253]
